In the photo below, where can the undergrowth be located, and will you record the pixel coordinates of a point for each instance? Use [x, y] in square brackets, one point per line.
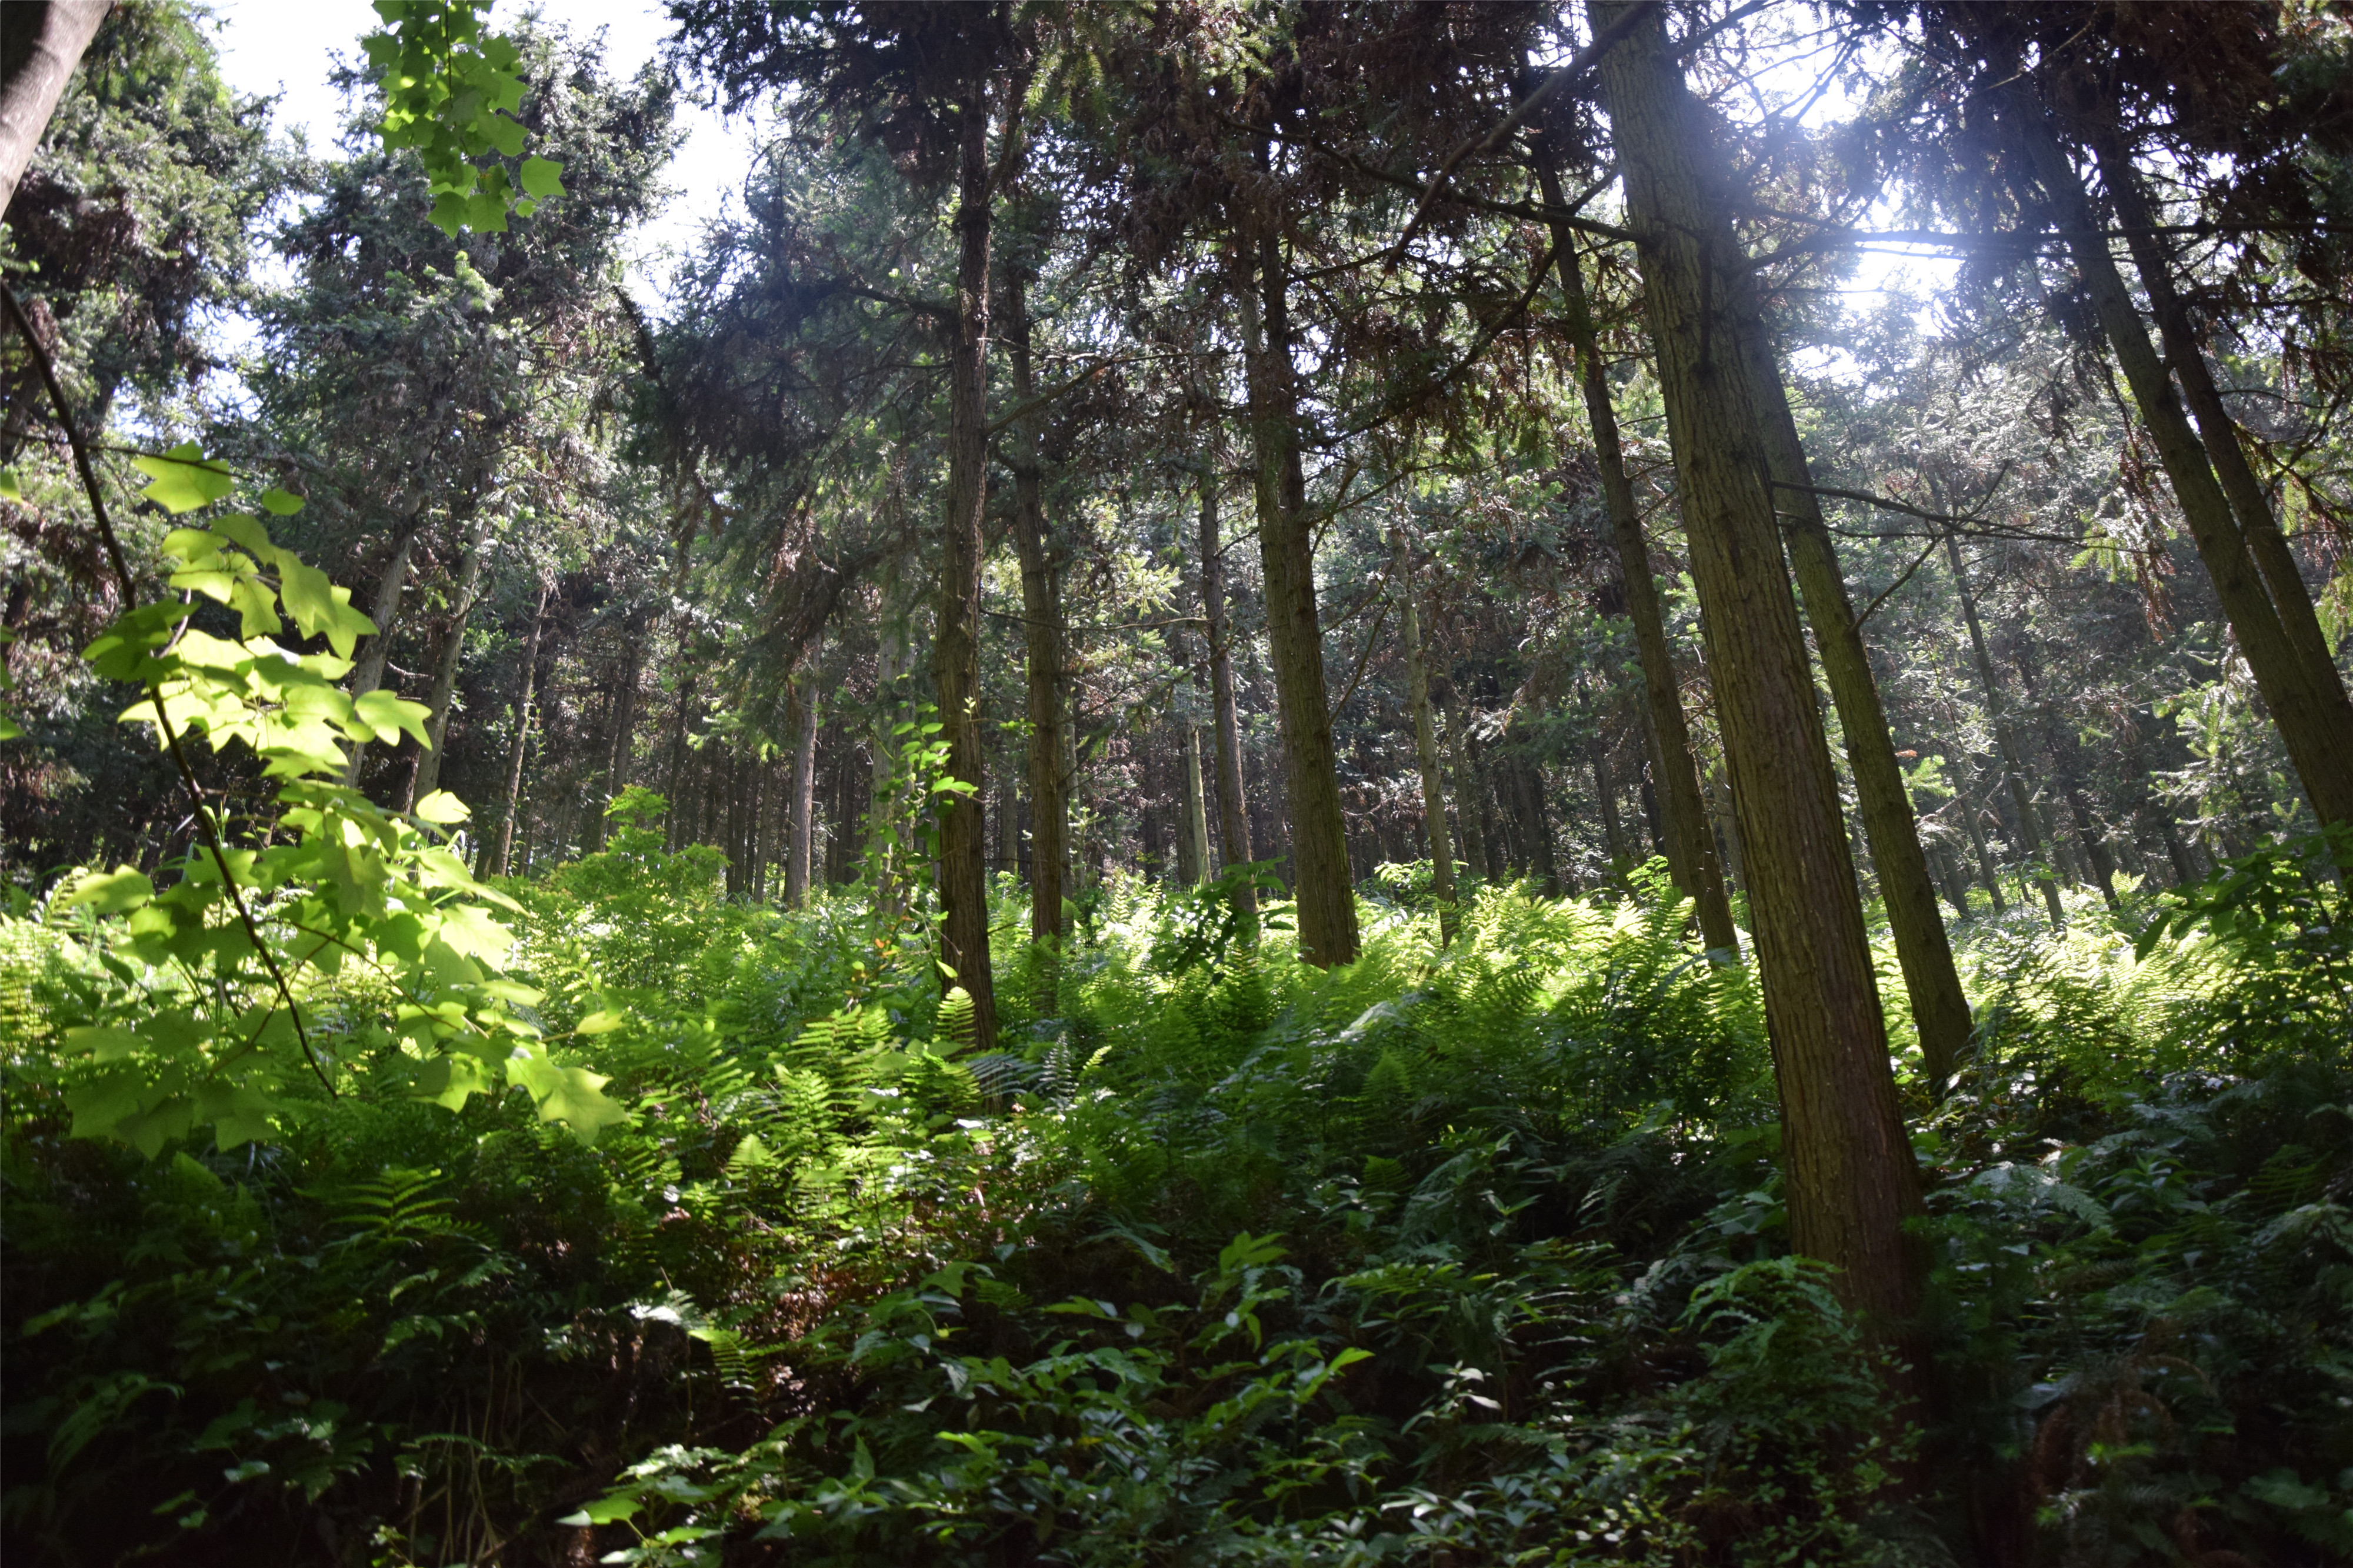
[1462, 1256]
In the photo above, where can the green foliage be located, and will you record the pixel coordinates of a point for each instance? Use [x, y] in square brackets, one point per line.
[449, 91]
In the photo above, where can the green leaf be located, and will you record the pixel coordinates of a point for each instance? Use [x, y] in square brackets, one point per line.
[112, 892]
[442, 808]
[184, 480]
[603, 1022]
[388, 714]
[571, 1095]
[9, 729]
[10, 490]
[320, 608]
[543, 178]
[280, 503]
[604, 1510]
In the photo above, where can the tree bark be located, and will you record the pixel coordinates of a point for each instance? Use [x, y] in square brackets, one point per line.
[428, 777]
[1425, 745]
[1233, 811]
[802, 801]
[43, 46]
[620, 724]
[2029, 825]
[2186, 357]
[522, 711]
[1469, 808]
[1850, 1178]
[391, 584]
[1690, 856]
[1041, 617]
[1940, 1010]
[1325, 896]
[2313, 715]
[955, 639]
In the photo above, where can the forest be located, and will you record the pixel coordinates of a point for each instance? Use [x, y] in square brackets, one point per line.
[1250, 782]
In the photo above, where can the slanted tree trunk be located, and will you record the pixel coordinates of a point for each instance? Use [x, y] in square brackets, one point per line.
[505, 846]
[1971, 823]
[1325, 895]
[1851, 1179]
[1041, 617]
[802, 800]
[1940, 1011]
[40, 46]
[1233, 811]
[427, 776]
[1690, 856]
[2309, 705]
[2186, 359]
[1425, 745]
[955, 636]
[2028, 826]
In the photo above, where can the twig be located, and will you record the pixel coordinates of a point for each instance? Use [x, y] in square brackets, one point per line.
[1882, 596]
[162, 719]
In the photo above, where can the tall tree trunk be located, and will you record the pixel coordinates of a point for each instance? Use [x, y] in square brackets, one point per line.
[1197, 808]
[802, 802]
[43, 45]
[1041, 617]
[1425, 745]
[674, 777]
[1233, 811]
[2029, 825]
[1537, 820]
[499, 858]
[620, 726]
[883, 812]
[384, 609]
[2309, 705]
[2067, 751]
[1469, 808]
[1605, 790]
[428, 777]
[1325, 895]
[2187, 358]
[1850, 1178]
[1940, 1010]
[955, 637]
[1690, 856]
[1972, 823]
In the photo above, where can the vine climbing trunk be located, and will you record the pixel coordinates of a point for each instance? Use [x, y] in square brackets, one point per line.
[956, 635]
[503, 853]
[1940, 1010]
[1690, 856]
[1321, 883]
[1849, 1168]
[1042, 618]
[2309, 705]
[1425, 745]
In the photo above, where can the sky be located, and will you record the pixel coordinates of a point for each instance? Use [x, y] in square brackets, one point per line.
[289, 46]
